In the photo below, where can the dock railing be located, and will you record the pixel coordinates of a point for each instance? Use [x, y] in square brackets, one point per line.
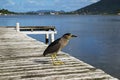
[47, 30]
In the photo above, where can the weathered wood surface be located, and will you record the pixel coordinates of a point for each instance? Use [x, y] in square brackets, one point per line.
[21, 59]
[37, 28]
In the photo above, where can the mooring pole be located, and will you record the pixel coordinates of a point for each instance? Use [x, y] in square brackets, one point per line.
[17, 27]
[46, 38]
[52, 37]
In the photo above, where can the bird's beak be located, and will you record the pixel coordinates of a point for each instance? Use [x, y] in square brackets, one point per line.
[74, 36]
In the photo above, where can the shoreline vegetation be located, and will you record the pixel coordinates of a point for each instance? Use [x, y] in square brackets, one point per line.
[102, 7]
[6, 12]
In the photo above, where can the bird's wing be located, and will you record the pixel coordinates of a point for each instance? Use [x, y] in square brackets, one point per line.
[53, 47]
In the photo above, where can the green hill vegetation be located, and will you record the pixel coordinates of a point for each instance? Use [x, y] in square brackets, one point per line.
[5, 11]
[101, 7]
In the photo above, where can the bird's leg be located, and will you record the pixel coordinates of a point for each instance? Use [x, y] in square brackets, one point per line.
[58, 61]
[53, 61]
[52, 58]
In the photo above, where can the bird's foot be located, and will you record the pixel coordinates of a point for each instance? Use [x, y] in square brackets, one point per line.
[61, 62]
[58, 63]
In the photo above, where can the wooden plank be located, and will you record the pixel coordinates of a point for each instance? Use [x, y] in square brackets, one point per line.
[21, 59]
[46, 28]
[39, 32]
[37, 28]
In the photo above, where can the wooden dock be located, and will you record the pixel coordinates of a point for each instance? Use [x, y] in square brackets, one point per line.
[47, 30]
[21, 59]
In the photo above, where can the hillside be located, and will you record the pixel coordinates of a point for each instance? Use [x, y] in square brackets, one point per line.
[101, 7]
[5, 11]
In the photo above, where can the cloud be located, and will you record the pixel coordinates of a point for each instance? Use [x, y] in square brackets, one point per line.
[89, 1]
[11, 2]
[93, 1]
[69, 5]
[6, 3]
[33, 2]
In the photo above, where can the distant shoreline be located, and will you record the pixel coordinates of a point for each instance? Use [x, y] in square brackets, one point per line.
[58, 15]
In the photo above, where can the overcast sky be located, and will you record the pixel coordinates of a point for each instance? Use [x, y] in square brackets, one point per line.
[34, 5]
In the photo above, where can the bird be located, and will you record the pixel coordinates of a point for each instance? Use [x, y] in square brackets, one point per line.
[57, 46]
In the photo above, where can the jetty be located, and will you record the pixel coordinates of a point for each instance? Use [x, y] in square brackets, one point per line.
[21, 59]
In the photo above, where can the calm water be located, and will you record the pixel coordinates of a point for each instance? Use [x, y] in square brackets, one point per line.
[98, 41]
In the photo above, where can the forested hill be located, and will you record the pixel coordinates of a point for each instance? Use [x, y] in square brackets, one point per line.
[101, 7]
[5, 11]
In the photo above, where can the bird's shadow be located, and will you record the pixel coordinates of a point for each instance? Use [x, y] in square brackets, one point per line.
[39, 61]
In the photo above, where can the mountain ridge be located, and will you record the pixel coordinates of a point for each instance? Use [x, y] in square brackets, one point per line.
[101, 7]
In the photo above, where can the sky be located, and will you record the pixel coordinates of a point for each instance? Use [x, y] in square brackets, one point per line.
[34, 5]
